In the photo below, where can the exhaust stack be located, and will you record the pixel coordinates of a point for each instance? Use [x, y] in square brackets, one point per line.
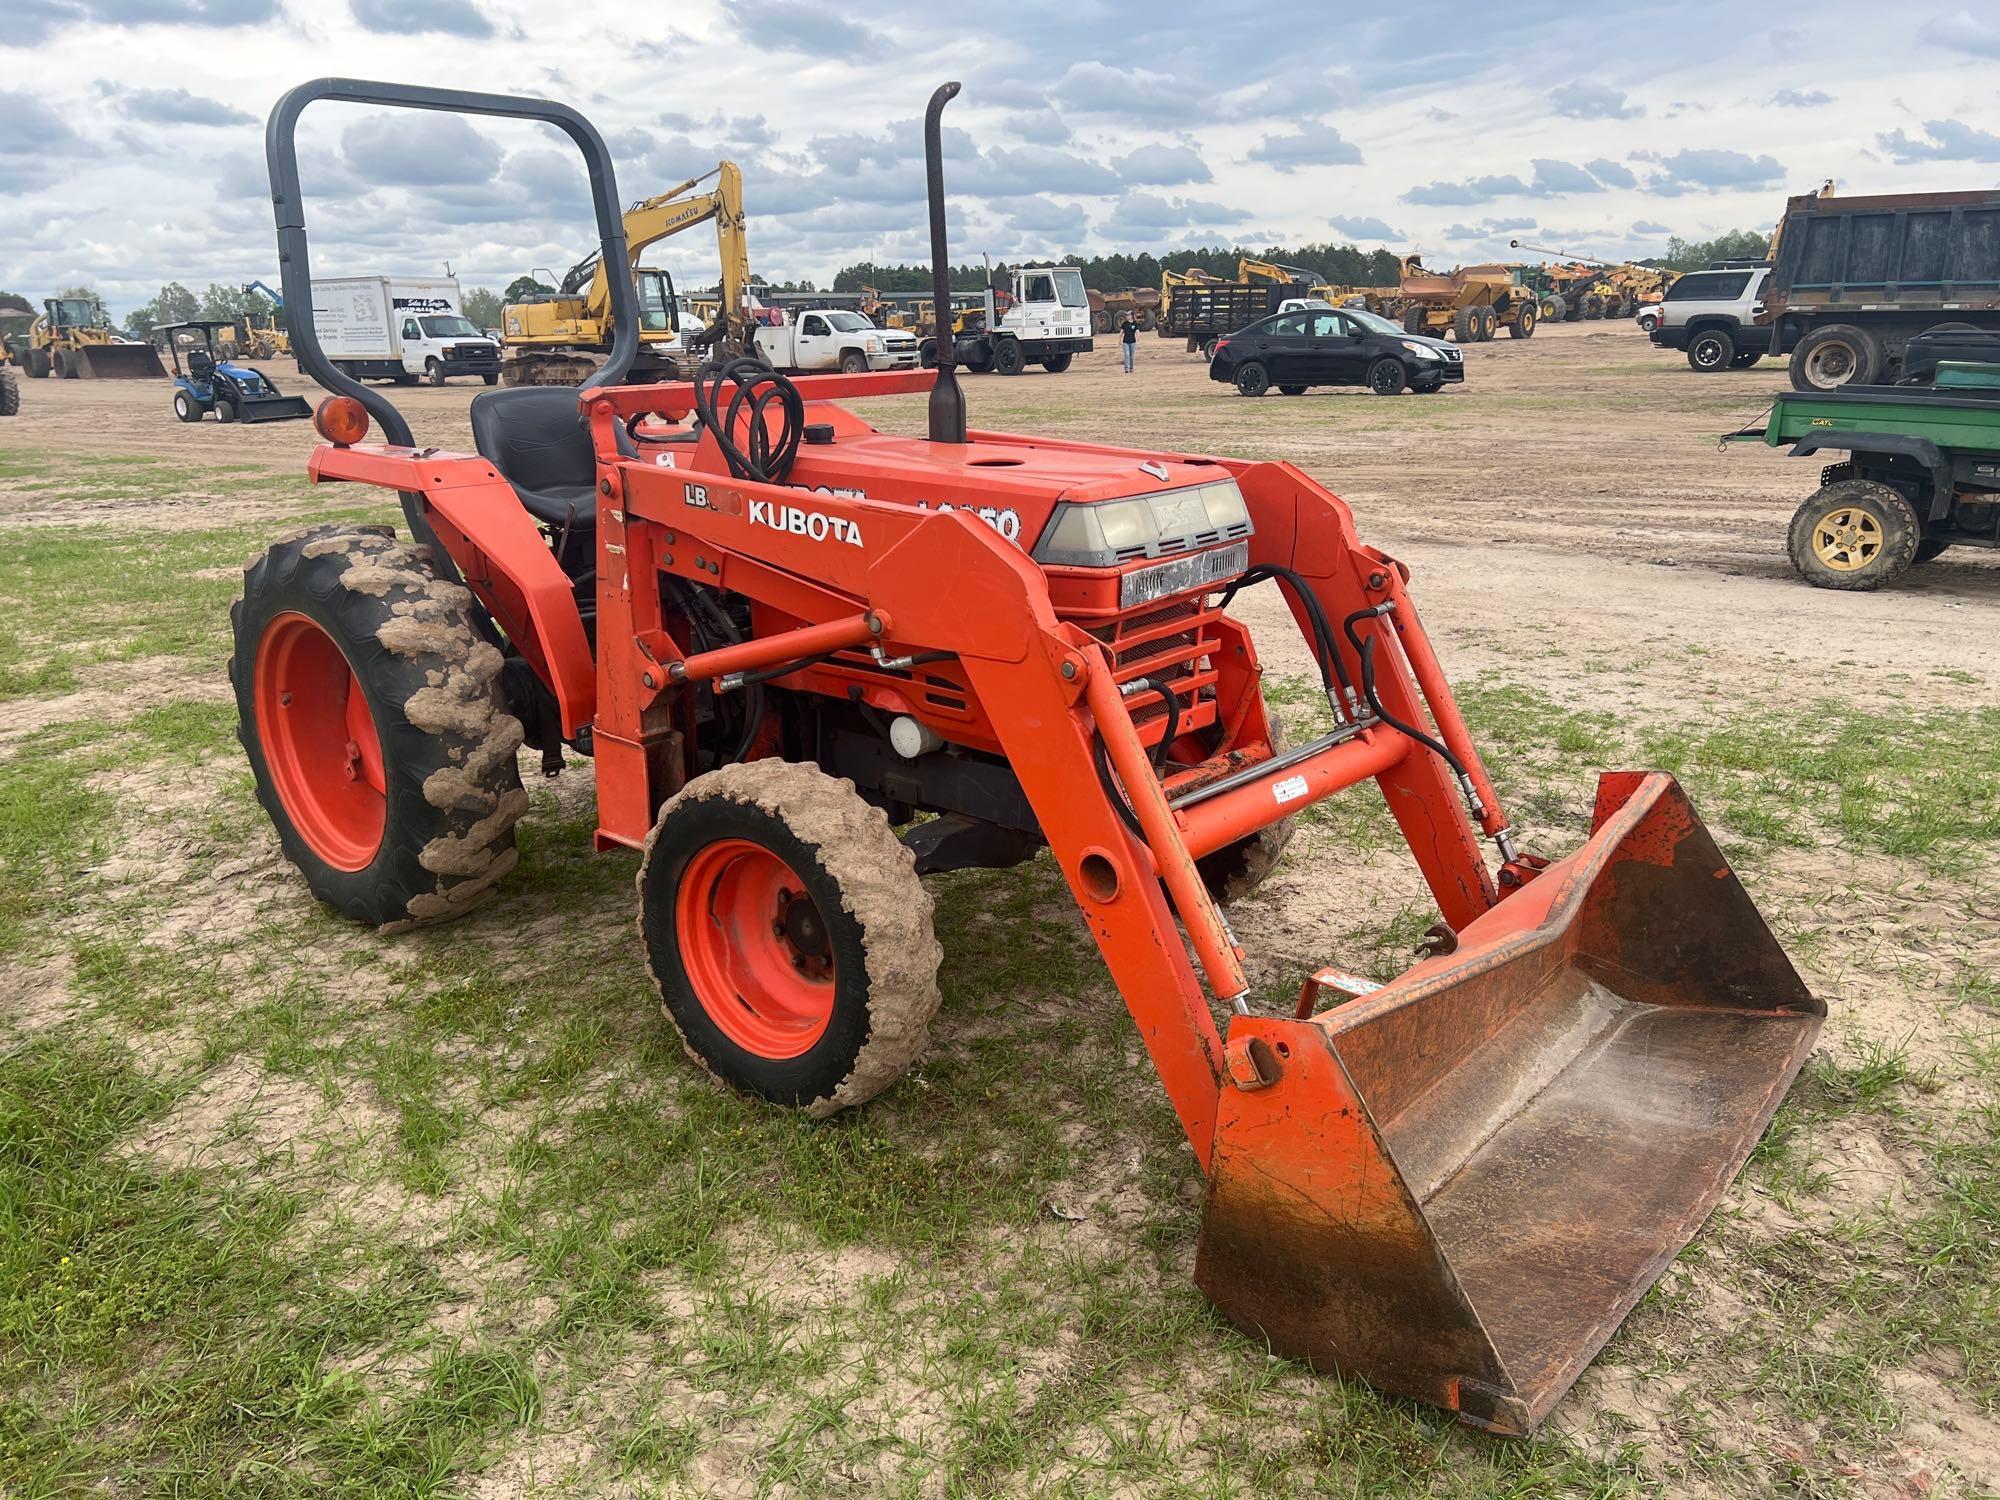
[947, 408]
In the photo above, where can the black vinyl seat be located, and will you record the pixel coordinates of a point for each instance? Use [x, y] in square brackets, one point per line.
[534, 435]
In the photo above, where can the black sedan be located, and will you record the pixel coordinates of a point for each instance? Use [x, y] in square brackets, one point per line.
[1333, 346]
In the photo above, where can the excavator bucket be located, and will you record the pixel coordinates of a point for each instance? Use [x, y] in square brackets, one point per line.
[117, 362]
[1457, 1185]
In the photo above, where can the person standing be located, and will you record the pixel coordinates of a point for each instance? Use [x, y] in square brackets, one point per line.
[1129, 331]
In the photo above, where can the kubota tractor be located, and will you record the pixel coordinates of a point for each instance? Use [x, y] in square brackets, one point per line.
[783, 636]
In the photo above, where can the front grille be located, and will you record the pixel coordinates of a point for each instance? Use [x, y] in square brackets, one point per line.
[1171, 643]
[1191, 542]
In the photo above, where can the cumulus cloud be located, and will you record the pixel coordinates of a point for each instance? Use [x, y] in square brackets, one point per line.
[1942, 140]
[1464, 194]
[1553, 178]
[1042, 217]
[1311, 145]
[1363, 227]
[419, 150]
[1710, 171]
[1611, 173]
[1961, 31]
[413, 17]
[1163, 166]
[1584, 100]
[178, 107]
[1140, 216]
[1647, 226]
[1137, 94]
[1040, 127]
[796, 26]
[1801, 98]
[37, 20]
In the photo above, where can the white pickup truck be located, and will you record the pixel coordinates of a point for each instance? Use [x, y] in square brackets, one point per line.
[819, 339]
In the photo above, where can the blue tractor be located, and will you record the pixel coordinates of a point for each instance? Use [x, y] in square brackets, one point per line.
[209, 383]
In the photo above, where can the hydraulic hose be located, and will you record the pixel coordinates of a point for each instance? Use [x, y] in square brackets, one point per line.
[767, 460]
[1325, 652]
[1365, 650]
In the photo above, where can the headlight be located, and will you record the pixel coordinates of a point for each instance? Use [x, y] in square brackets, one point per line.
[874, 346]
[1115, 531]
[1422, 351]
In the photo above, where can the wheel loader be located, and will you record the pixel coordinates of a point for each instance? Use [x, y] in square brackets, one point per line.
[71, 341]
[814, 662]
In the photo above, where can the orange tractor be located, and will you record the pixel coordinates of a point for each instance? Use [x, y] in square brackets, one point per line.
[784, 636]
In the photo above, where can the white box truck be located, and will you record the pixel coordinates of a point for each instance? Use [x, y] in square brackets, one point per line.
[400, 329]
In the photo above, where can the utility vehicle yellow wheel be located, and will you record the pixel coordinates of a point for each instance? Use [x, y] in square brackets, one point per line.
[1854, 534]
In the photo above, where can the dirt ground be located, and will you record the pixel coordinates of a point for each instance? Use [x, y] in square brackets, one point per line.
[479, 1130]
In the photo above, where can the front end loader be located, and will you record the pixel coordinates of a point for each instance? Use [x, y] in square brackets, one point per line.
[784, 635]
[71, 342]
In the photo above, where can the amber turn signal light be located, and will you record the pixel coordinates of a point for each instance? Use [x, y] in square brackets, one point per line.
[341, 420]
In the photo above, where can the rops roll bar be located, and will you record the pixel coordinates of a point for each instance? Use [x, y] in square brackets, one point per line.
[295, 267]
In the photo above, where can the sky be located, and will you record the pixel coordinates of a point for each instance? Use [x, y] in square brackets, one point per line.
[131, 131]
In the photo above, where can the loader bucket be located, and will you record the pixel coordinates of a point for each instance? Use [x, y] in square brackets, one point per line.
[1456, 1187]
[272, 408]
[117, 362]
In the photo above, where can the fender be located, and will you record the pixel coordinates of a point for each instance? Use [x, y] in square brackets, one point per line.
[1919, 450]
[510, 569]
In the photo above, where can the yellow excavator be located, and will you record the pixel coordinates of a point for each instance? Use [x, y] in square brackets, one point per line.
[73, 341]
[560, 338]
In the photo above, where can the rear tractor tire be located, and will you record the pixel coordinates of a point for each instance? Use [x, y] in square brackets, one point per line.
[1854, 534]
[186, 407]
[788, 935]
[1235, 870]
[371, 711]
[10, 392]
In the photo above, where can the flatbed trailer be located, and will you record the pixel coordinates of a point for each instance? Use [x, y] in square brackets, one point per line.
[1921, 473]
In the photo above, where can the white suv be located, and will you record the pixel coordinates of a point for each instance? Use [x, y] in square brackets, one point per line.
[1713, 316]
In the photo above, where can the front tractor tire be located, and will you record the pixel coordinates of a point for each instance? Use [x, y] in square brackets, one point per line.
[370, 708]
[789, 935]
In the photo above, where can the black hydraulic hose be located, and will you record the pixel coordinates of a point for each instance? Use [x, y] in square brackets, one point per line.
[1365, 649]
[768, 460]
[1109, 782]
[1325, 652]
[695, 602]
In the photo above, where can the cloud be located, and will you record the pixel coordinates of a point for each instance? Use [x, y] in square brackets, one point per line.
[421, 150]
[743, 130]
[1960, 31]
[35, 130]
[1507, 226]
[1710, 171]
[1801, 98]
[1647, 226]
[1583, 100]
[1311, 145]
[796, 26]
[178, 107]
[1042, 218]
[37, 20]
[1943, 140]
[1042, 127]
[1163, 166]
[1363, 227]
[1140, 216]
[1553, 178]
[415, 17]
[1611, 173]
[1136, 94]
[1464, 194]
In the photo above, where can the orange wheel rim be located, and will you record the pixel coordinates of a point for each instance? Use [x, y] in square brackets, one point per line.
[755, 948]
[319, 741]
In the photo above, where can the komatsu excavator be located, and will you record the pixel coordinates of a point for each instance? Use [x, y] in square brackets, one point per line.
[564, 337]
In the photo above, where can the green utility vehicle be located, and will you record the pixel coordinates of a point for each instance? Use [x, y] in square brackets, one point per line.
[1922, 473]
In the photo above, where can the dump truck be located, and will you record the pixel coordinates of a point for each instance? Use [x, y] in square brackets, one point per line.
[73, 340]
[1108, 309]
[399, 328]
[1921, 471]
[814, 661]
[1470, 303]
[1855, 279]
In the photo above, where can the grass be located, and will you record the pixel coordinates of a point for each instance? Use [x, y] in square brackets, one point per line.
[453, 1206]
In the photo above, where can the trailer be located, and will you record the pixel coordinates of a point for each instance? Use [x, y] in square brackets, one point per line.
[400, 329]
[1203, 312]
[1855, 279]
[1921, 473]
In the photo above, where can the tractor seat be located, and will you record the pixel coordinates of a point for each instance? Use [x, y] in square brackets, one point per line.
[200, 364]
[534, 435]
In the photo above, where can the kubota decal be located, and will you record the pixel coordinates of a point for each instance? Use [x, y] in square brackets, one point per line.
[815, 525]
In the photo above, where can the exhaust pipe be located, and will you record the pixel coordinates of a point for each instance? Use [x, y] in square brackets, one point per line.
[947, 408]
